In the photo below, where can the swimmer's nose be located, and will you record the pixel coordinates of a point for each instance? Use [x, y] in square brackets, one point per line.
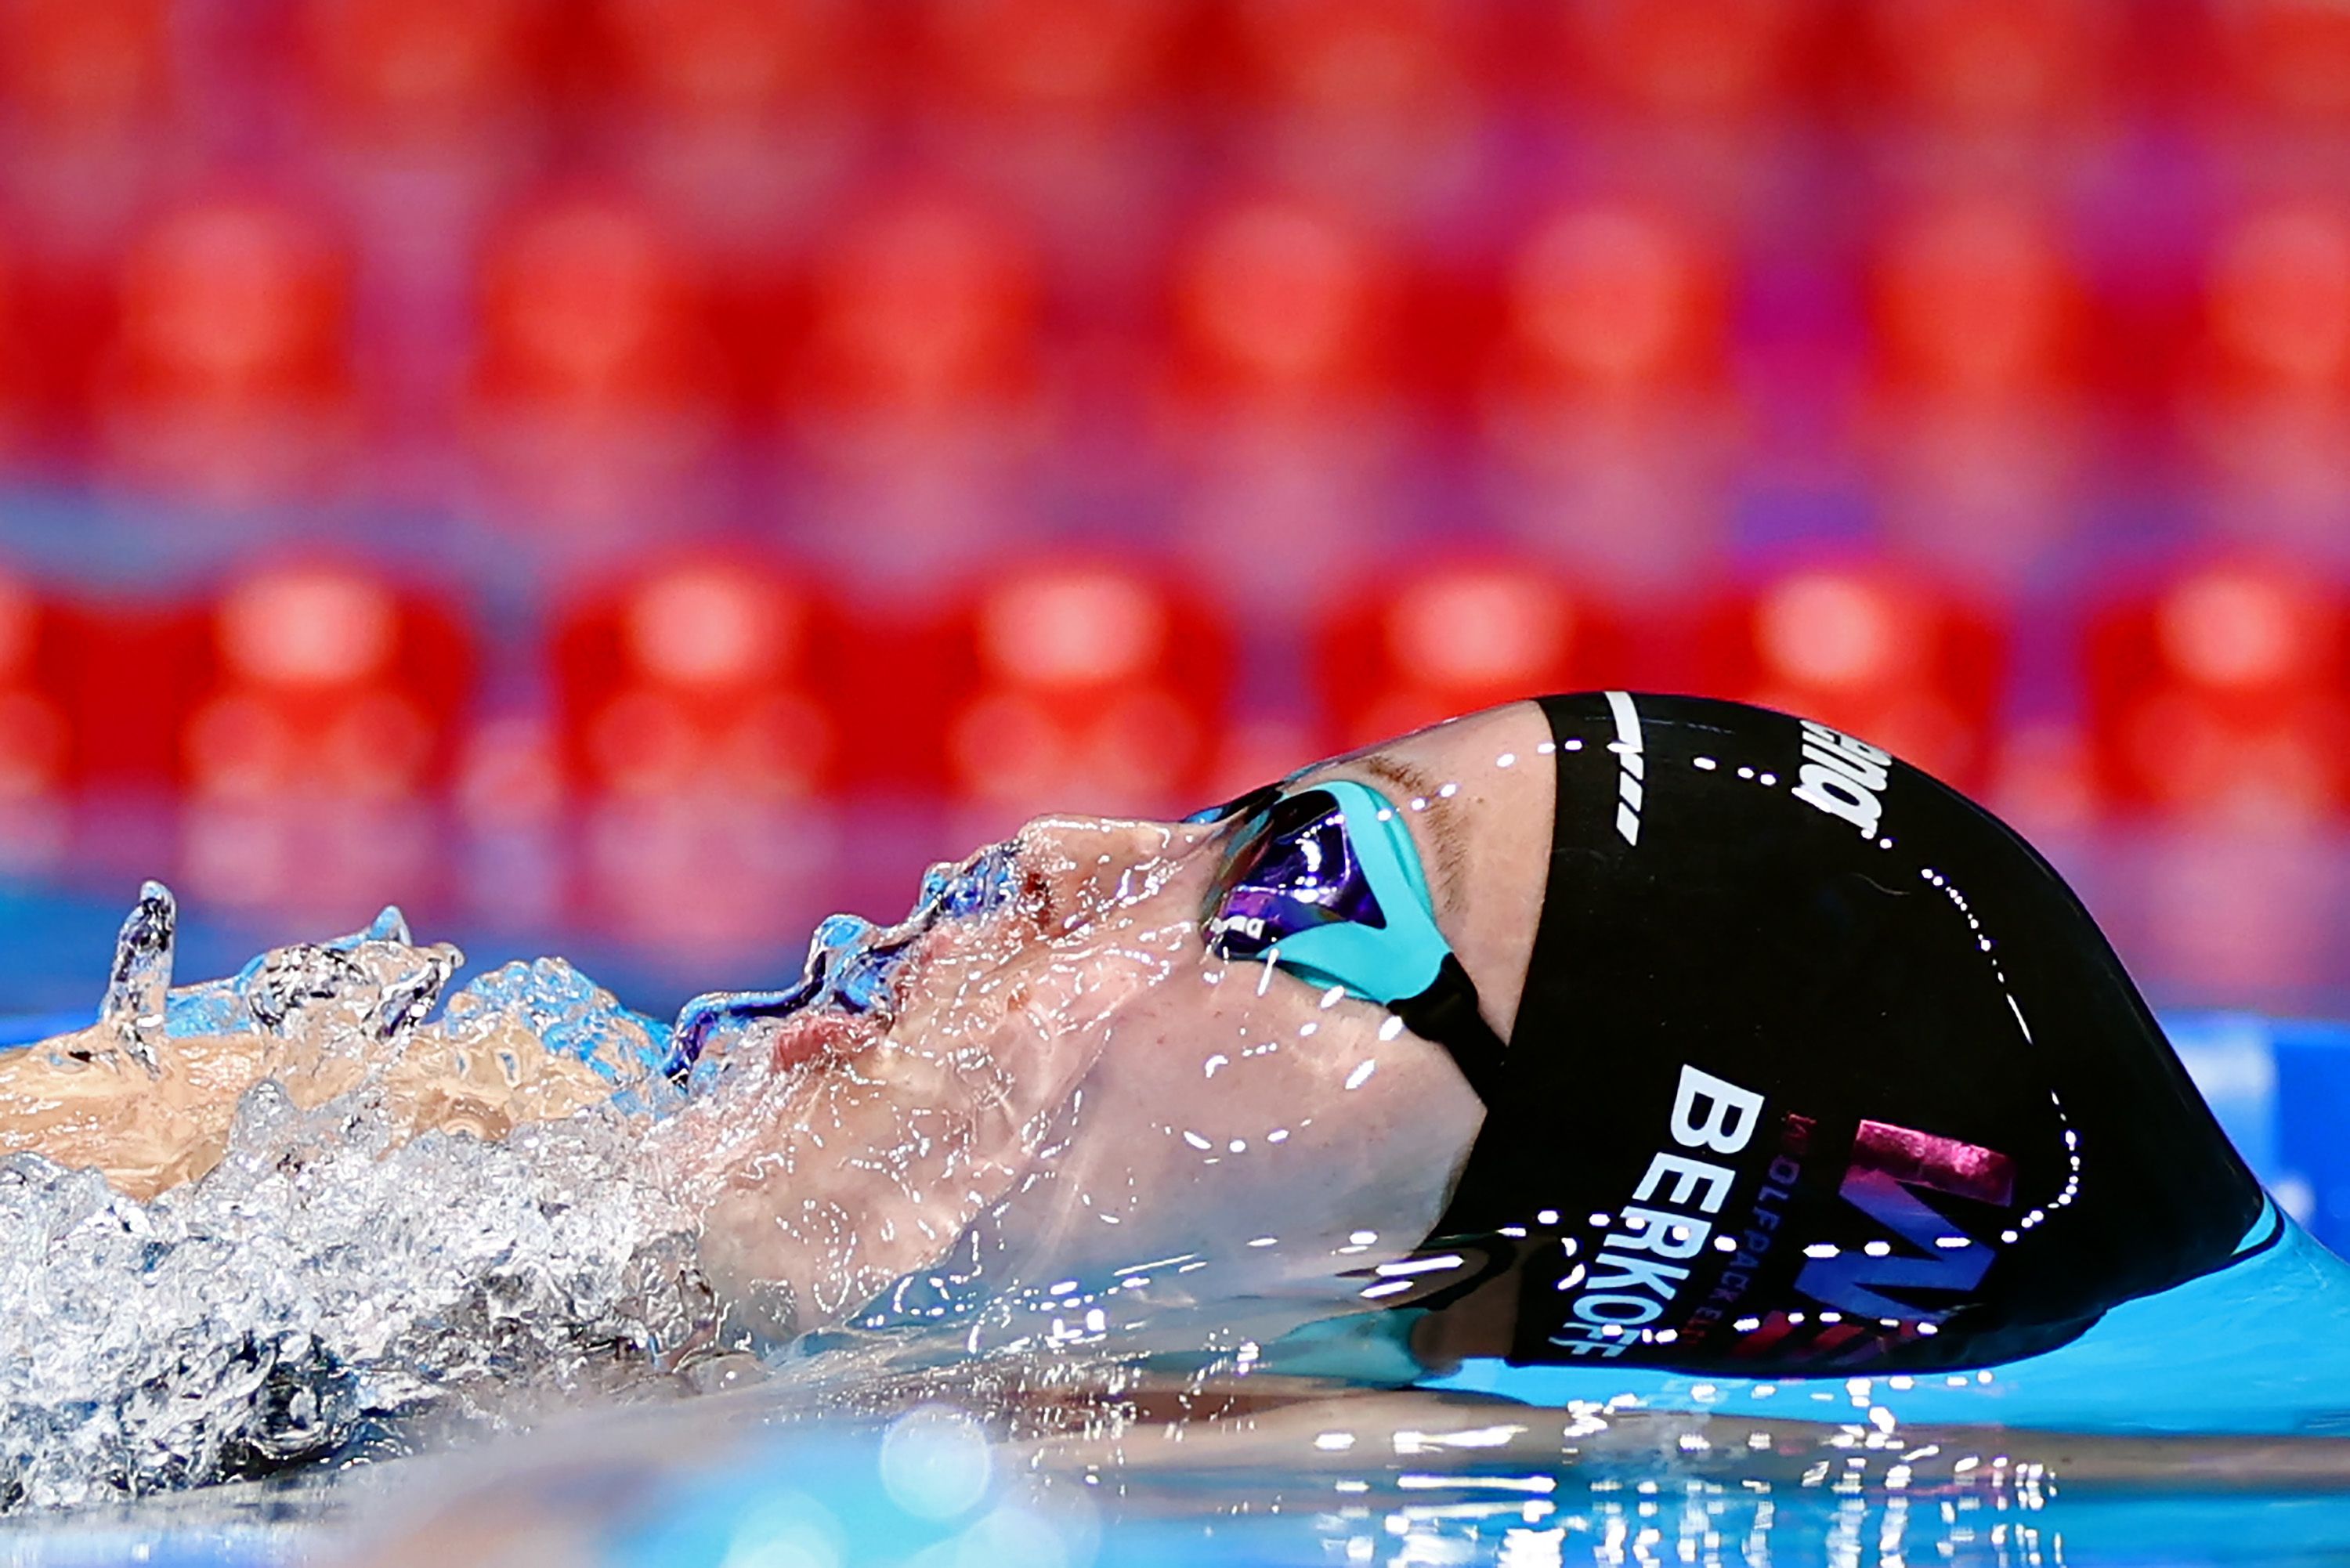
[1083, 865]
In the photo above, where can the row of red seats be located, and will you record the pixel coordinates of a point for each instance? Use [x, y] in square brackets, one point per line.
[426, 70]
[225, 313]
[1100, 682]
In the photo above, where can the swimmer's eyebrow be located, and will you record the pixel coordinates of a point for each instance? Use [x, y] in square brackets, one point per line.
[1406, 778]
[1445, 830]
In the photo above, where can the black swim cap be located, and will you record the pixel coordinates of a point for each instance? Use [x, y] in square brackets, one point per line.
[1820, 1066]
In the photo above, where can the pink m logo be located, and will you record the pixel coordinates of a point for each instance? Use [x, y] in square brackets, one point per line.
[1888, 1162]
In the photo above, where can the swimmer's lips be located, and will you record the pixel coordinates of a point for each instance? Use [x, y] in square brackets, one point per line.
[815, 1030]
[807, 1036]
[850, 979]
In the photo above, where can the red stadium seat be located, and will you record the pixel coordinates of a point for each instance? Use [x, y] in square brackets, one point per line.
[231, 369]
[232, 300]
[729, 62]
[324, 681]
[2277, 302]
[586, 304]
[2224, 693]
[1988, 66]
[1066, 58]
[1278, 301]
[58, 306]
[1613, 301]
[1375, 107]
[704, 677]
[746, 120]
[1457, 638]
[39, 753]
[1980, 423]
[1096, 686]
[924, 308]
[78, 69]
[324, 707]
[1889, 658]
[1283, 397]
[428, 73]
[1722, 62]
[699, 740]
[597, 394]
[1393, 59]
[1605, 400]
[87, 92]
[2288, 59]
[2264, 393]
[20, 380]
[912, 398]
[1975, 298]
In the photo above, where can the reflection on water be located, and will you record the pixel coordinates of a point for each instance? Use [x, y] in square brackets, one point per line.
[1203, 1471]
[1094, 1465]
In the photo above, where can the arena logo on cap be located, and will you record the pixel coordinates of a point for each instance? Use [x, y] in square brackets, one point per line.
[1843, 777]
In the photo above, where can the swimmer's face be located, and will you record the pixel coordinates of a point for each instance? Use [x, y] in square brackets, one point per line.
[1076, 1083]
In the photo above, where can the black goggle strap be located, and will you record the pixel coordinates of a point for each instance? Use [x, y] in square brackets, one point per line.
[1446, 1013]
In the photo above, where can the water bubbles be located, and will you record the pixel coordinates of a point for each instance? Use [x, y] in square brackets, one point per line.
[571, 1014]
[331, 1273]
[138, 988]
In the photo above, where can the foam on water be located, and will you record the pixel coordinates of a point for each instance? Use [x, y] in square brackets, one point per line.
[338, 1268]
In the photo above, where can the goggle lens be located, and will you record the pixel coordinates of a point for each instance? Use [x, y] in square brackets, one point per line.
[1293, 870]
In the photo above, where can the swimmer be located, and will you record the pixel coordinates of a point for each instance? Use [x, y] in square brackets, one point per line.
[1610, 1028]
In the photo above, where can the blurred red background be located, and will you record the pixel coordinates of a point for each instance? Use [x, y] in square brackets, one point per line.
[635, 474]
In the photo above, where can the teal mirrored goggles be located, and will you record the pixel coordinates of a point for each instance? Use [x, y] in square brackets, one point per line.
[1325, 884]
